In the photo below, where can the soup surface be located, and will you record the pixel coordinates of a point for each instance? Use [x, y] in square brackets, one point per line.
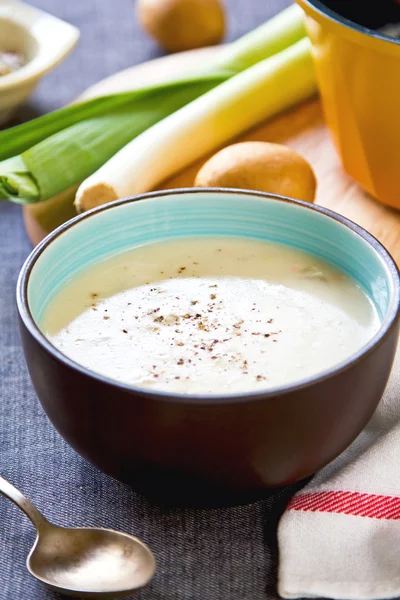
[210, 316]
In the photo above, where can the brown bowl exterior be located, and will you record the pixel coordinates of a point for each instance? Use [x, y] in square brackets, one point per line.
[219, 451]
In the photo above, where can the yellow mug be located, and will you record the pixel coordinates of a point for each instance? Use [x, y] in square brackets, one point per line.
[358, 72]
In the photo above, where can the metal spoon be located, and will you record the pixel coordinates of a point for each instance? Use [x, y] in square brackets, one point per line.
[83, 561]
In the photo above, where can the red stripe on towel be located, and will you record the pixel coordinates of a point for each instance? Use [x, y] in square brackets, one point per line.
[372, 506]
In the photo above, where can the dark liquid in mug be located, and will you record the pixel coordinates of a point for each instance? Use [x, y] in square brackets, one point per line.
[373, 14]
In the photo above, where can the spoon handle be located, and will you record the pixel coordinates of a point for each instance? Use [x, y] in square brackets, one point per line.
[10, 492]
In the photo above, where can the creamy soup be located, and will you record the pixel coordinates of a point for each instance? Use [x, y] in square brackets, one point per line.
[210, 316]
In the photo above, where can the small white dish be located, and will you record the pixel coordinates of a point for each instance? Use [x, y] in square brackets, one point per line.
[44, 41]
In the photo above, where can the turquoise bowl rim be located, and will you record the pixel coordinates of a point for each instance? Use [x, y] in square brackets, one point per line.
[393, 312]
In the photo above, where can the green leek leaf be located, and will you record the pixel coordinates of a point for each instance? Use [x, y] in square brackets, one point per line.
[16, 140]
[16, 181]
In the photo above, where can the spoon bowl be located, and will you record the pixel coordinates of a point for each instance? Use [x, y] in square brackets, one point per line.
[84, 561]
[88, 562]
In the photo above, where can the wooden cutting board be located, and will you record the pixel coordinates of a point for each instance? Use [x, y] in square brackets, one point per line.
[302, 128]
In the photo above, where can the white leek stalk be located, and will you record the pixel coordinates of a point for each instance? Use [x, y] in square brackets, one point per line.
[208, 122]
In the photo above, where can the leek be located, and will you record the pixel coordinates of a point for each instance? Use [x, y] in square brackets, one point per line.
[67, 157]
[254, 95]
[57, 151]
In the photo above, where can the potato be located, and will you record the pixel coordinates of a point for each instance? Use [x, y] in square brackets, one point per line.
[182, 24]
[260, 166]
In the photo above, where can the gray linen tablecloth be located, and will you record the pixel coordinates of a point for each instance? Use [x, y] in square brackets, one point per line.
[227, 554]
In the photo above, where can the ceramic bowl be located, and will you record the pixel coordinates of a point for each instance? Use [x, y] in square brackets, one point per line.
[43, 40]
[208, 448]
[357, 69]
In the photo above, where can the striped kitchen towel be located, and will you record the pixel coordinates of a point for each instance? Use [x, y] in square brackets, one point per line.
[340, 535]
